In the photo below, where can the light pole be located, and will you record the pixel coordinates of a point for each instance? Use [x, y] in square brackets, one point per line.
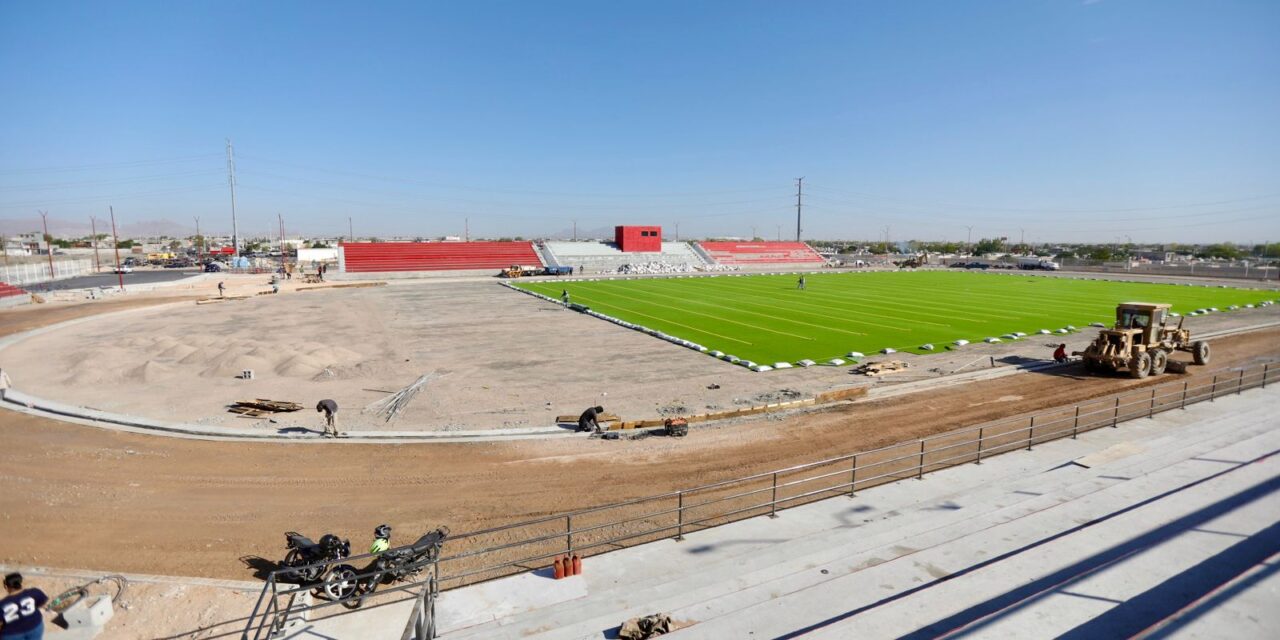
[116, 241]
[93, 224]
[200, 239]
[969, 244]
[48, 241]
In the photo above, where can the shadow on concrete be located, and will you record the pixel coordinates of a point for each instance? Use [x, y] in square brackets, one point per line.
[260, 566]
[707, 548]
[977, 617]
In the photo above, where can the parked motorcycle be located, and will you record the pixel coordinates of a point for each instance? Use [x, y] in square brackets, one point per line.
[309, 563]
[347, 583]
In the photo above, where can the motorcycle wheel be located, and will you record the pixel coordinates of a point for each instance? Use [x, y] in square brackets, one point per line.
[293, 559]
[341, 583]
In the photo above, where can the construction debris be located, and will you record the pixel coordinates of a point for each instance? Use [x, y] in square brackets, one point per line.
[879, 368]
[391, 406]
[261, 406]
[650, 626]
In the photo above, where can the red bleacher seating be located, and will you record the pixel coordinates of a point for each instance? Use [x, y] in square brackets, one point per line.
[7, 290]
[752, 253]
[366, 257]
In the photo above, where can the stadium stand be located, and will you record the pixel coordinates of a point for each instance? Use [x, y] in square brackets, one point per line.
[373, 257]
[11, 295]
[751, 254]
[601, 257]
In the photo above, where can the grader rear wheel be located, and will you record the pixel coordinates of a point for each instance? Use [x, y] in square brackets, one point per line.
[1159, 360]
[1200, 352]
[1140, 365]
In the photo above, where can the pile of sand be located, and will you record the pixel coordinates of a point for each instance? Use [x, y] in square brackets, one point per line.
[154, 359]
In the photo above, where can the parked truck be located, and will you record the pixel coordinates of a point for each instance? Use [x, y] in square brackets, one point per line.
[1036, 262]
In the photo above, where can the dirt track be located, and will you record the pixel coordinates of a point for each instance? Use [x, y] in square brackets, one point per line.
[87, 498]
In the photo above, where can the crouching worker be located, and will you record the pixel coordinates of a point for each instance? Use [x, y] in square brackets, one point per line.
[1060, 355]
[589, 420]
[21, 607]
[329, 408]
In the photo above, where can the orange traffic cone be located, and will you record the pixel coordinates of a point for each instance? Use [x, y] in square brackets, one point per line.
[559, 568]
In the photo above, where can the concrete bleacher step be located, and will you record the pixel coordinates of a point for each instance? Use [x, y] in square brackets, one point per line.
[761, 567]
[1121, 493]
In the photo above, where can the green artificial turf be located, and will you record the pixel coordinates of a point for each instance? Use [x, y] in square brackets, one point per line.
[766, 319]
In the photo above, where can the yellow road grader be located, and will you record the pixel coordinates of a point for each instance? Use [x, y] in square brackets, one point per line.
[1142, 342]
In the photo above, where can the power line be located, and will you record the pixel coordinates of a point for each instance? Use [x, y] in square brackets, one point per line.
[130, 180]
[106, 165]
[922, 203]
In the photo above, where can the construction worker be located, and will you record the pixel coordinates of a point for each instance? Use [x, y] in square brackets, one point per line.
[21, 608]
[221, 290]
[588, 420]
[564, 296]
[330, 409]
[1060, 354]
[800, 283]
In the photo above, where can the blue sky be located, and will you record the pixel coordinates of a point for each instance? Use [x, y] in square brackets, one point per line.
[1064, 120]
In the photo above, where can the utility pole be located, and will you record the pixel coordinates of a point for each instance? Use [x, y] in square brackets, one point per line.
[93, 224]
[466, 229]
[351, 234]
[231, 179]
[280, 218]
[48, 241]
[116, 241]
[1022, 239]
[575, 230]
[753, 232]
[677, 232]
[969, 244]
[799, 194]
[779, 233]
[200, 239]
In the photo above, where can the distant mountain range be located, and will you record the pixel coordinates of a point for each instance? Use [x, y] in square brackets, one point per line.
[71, 229]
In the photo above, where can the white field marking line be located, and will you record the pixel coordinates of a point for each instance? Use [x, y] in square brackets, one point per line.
[605, 304]
[952, 297]
[1129, 290]
[857, 311]
[632, 283]
[885, 290]
[722, 319]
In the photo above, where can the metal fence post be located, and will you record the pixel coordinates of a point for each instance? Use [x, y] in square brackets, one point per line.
[920, 471]
[1031, 432]
[853, 477]
[773, 504]
[1213, 392]
[1115, 419]
[980, 433]
[1075, 426]
[1151, 413]
[680, 517]
[1240, 382]
[1265, 369]
[1185, 385]
[568, 533]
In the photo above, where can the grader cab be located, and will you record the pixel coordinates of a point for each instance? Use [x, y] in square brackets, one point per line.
[1142, 342]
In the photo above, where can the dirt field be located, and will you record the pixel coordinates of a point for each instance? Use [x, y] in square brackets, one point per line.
[507, 360]
[93, 499]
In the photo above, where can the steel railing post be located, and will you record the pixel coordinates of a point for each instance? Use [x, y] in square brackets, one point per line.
[920, 471]
[853, 477]
[680, 517]
[1185, 385]
[1115, 418]
[1075, 426]
[568, 534]
[1213, 392]
[1151, 412]
[1265, 369]
[980, 433]
[773, 504]
[1240, 382]
[1031, 432]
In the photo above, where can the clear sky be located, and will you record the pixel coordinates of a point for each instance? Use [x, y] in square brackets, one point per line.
[1061, 119]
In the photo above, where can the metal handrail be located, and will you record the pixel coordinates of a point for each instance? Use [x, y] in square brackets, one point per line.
[992, 438]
